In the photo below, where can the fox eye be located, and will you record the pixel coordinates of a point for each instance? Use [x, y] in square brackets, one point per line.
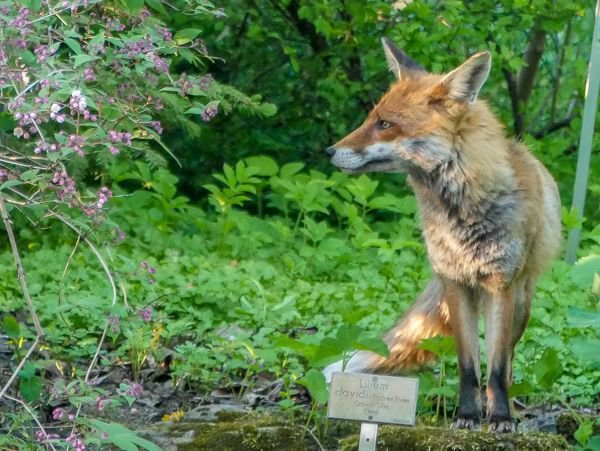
[383, 125]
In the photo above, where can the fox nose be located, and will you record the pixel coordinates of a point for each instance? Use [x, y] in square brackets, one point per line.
[330, 151]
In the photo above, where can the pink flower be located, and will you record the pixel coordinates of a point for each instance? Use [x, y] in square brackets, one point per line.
[145, 313]
[58, 413]
[136, 389]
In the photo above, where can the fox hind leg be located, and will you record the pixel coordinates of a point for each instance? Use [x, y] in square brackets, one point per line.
[501, 330]
[464, 311]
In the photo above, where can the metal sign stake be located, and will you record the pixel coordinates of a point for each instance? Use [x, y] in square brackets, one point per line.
[368, 437]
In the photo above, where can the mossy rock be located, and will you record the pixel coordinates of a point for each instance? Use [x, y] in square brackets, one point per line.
[427, 438]
[567, 424]
[248, 433]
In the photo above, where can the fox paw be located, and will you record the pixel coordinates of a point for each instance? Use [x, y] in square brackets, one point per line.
[501, 425]
[469, 423]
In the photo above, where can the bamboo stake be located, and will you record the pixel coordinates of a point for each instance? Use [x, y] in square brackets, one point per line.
[587, 135]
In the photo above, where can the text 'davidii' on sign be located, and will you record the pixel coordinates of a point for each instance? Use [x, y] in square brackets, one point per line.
[373, 398]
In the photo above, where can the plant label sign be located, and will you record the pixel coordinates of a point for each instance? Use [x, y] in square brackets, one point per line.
[373, 398]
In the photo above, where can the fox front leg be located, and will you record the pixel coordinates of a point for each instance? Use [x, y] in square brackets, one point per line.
[463, 309]
[499, 315]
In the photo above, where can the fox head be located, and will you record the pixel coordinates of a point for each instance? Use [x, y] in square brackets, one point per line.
[415, 125]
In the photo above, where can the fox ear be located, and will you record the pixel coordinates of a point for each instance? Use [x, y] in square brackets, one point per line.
[464, 82]
[399, 62]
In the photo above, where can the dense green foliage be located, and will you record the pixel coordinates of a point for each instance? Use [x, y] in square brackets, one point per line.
[277, 264]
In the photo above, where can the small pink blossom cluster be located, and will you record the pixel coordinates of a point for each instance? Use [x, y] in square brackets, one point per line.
[137, 48]
[187, 83]
[145, 313]
[76, 142]
[55, 113]
[209, 112]
[65, 183]
[103, 195]
[206, 81]
[43, 437]
[22, 19]
[58, 413]
[101, 403]
[161, 65]
[157, 127]
[136, 389]
[76, 442]
[28, 123]
[78, 105]
[43, 146]
[114, 24]
[121, 137]
[42, 52]
[151, 270]
[118, 137]
[88, 74]
[95, 48]
[3, 175]
[166, 34]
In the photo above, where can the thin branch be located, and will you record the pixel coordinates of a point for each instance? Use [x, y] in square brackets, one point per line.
[532, 57]
[313, 436]
[19, 368]
[514, 100]
[64, 274]
[559, 63]
[20, 270]
[26, 407]
[553, 127]
[114, 295]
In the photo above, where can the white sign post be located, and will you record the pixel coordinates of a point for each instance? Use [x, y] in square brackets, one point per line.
[373, 399]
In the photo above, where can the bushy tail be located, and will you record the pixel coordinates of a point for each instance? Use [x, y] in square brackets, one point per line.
[426, 318]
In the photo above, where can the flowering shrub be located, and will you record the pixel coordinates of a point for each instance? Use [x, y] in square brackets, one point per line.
[86, 85]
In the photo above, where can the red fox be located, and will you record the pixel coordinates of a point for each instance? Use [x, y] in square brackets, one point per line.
[490, 214]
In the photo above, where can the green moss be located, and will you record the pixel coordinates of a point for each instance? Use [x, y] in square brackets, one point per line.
[426, 438]
[247, 433]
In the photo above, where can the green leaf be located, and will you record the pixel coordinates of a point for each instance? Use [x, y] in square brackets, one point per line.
[315, 383]
[523, 388]
[267, 109]
[134, 5]
[584, 271]
[120, 436]
[186, 35]
[11, 327]
[329, 351]
[157, 6]
[442, 346]
[584, 432]
[347, 334]
[373, 344]
[583, 318]
[266, 166]
[78, 60]
[28, 371]
[289, 169]
[304, 349]
[10, 184]
[7, 122]
[586, 348]
[548, 369]
[74, 45]
[30, 385]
